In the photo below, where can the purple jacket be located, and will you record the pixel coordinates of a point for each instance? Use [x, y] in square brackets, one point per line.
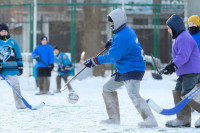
[186, 54]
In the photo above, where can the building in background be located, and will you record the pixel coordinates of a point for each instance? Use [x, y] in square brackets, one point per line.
[66, 25]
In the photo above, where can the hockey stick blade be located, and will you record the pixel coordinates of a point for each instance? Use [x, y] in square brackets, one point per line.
[175, 109]
[32, 107]
[156, 76]
[20, 96]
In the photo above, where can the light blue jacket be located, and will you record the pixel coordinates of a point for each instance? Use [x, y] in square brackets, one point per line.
[63, 60]
[11, 56]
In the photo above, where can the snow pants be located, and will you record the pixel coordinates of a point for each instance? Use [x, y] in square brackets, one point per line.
[13, 79]
[132, 86]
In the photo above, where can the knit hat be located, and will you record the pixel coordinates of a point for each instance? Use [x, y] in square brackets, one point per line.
[4, 27]
[56, 47]
[44, 38]
[194, 19]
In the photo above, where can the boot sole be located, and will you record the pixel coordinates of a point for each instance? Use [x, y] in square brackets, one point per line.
[186, 125]
[197, 126]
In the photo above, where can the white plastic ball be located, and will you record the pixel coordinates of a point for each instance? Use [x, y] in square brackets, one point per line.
[73, 98]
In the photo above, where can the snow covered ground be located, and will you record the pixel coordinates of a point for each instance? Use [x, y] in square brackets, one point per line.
[83, 117]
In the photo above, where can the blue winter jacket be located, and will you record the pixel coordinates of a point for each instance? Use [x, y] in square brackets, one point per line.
[63, 60]
[45, 53]
[196, 37]
[10, 56]
[125, 52]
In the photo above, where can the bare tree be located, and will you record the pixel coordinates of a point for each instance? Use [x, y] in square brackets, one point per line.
[91, 39]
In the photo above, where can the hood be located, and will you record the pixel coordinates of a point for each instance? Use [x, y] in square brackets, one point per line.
[176, 24]
[119, 18]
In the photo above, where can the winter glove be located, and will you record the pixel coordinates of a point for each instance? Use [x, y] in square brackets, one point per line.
[20, 68]
[37, 57]
[51, 66]
[169, 69]
[1, 66]
[92, 62]
[59, 69]
[68, 67]
[108, 44]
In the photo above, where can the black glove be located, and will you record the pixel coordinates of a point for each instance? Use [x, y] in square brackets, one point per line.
[37, 57]
[59, 69]
[92, 62]
[170, 68]
[20, 68]
[1, 66]
[51, 66]
[108, 44]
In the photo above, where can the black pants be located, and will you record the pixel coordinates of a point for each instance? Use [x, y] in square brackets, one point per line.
[44, 83]
[43, 74]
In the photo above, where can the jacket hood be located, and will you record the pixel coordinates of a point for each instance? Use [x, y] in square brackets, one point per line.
[176, 24]
[119, 18]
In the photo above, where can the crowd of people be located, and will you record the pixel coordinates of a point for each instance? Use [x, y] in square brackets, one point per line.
[125, 51]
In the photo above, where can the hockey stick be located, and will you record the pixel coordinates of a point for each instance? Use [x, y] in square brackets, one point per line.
[64, 87]
[175, 109]
[73, 96]
[154, 62]
[53, 69]
[70, 90]
[24, 101]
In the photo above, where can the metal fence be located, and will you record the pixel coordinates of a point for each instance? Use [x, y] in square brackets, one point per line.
[66, 24]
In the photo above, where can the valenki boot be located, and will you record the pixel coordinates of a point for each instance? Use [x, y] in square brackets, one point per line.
[112, 108]
[183, 117]
[145, 112]
[195, 103]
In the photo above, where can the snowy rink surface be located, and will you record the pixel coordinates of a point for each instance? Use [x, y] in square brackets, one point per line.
[83, 117]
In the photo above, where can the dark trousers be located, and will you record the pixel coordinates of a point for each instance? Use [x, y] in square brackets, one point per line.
[185, 83]
[44, 83]
[58, 81]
